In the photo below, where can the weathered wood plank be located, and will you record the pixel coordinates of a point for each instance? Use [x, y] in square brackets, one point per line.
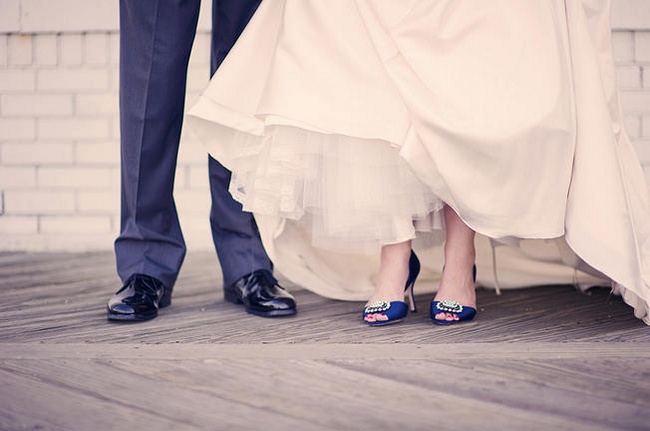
[204, 393]
[550, 386]
[75, 312]
[607, 352]
[539, 358]
[100, 396]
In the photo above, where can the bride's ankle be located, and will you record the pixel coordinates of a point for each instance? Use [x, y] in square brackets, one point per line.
[458, 283]
[393, 272]
[387, 293]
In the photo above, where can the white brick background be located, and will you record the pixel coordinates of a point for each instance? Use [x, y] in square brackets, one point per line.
[59, 131]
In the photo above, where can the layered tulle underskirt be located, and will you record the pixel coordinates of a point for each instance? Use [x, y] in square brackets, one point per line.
[352, 195]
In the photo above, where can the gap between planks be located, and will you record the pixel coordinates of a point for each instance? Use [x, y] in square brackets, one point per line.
[308, 351]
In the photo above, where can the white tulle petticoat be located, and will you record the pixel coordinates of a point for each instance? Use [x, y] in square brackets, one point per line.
[353, 194]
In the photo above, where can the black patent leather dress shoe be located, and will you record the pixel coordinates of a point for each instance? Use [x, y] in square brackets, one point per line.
[261, 295]
[139, 299]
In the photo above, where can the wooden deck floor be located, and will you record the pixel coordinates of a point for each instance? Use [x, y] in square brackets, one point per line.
[537, 359]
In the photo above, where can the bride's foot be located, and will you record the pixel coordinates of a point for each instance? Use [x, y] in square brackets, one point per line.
[456, 297]
[398, 270]
[455, 300]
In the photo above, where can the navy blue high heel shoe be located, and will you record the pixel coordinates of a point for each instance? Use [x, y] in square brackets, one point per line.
[463, 312]
[396, 311]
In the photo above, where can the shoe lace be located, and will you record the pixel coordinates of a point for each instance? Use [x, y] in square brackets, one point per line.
[146, 284]
[264, 276]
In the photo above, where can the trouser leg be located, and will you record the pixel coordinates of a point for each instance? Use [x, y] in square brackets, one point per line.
[234, 232]
[156, 37]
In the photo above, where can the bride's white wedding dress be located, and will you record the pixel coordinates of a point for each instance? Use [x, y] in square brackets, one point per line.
[348, 123]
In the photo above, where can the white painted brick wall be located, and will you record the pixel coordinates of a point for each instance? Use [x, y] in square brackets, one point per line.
[17, 129]
[19, 50]
[10, 16]
[16, 228]
[642, 46]
[17, 81]
[623, 43]
[59, 128]
[36, 105]
[4, 50]
[18, 178]
[36, 153]
[39, 202]
[46, 49]
[74, 224]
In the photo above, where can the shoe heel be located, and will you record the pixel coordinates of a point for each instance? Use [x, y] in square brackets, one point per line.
[414, 271]
[411, 297]
[166, 299]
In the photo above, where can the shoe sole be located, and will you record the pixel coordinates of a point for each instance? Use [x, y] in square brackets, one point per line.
[234, 299]
[272, 313]
[130, 317]
[450, 322]
[387, 322]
